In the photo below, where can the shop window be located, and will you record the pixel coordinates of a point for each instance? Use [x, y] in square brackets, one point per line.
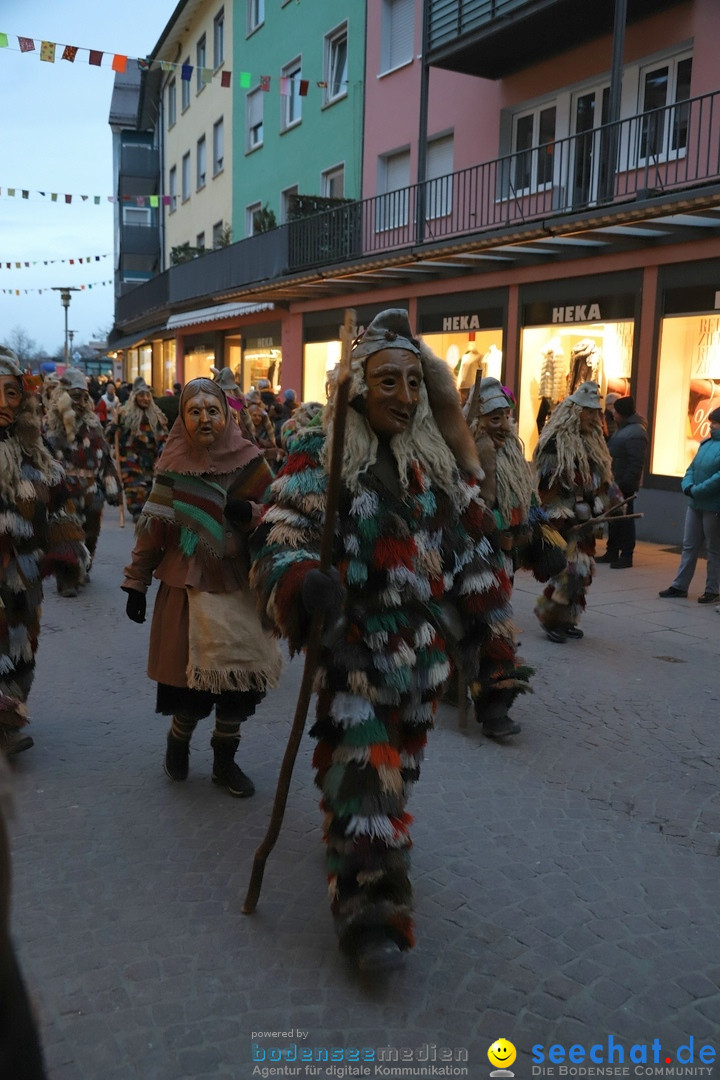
[555, 359]
[393, 183]
[688, 389]
[468, 354]
[335, 64]
[398, 29]
[664, 131]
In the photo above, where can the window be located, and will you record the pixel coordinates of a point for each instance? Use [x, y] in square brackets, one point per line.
[218, 147]
[333, 183]
[398, 30]
[186, 177]
[255, 14]
[250, 217]
[172, 188]
[185, 88]
[200, 63]
[335, 64]
[171, 103]
[201, 163]
[219, 234]
[393, 183]
[439, 189]
[200, 242]
[664, 130]
[140, 216]
[291, 103]
[286, 200]
[254, 113]
[219, 39]
[532, 150]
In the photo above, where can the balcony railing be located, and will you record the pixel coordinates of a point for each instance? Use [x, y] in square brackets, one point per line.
[658, 152]
[451, 19]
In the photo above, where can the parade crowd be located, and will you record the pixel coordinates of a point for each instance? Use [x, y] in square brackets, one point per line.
[438, 510]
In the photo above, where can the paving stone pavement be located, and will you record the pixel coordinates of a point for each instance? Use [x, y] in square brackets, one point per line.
[566, 885]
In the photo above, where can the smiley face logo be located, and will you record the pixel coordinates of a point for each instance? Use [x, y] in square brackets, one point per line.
[502, 1053]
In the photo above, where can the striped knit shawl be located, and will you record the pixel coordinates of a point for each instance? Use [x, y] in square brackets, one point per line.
[195, 505]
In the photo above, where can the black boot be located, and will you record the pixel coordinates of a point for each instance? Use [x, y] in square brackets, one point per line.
[491, 710]
[177, 757]
[226, 772]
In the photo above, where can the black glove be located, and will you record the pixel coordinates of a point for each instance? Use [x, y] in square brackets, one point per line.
[238, 511]
[324, 593]
[136, 605]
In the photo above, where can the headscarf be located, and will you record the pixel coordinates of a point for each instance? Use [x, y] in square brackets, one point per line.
[230, 451]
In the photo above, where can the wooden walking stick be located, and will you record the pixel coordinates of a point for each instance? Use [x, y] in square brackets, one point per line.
[121, 504]
[312, 648]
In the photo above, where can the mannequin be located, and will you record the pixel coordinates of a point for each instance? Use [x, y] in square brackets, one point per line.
[470, 363]
[553, 376]
[492, 363]
[585, 365]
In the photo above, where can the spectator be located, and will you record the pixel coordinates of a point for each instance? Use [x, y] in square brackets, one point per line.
[628, 447]
[701, 483]
[107, 405]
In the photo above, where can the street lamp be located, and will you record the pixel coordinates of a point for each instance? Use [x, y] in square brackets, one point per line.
[71, 335]
[65, 291]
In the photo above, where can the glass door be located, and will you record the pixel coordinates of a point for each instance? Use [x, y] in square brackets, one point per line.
[590, 165]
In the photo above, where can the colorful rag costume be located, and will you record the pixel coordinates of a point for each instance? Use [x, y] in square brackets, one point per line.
[78, 443]
[414, 560]
[574, 477]
[207, 647]
[141, 435]
[39, 533]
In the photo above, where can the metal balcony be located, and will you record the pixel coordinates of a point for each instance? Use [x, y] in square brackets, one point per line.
[494, 38]
[139, 172]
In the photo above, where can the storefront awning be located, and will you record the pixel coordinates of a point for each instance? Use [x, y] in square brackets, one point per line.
[213, 314]
[129, 340]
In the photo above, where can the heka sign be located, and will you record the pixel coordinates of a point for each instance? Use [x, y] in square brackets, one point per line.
[576, 313]
[452, 323]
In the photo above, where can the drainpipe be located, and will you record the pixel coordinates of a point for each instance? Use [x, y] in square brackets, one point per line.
[616, 73]
[422, 134]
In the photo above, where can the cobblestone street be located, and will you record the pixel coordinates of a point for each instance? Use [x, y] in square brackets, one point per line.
[566, 885]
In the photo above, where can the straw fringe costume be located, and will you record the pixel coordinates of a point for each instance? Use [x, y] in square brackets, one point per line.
[404, 558]
[39, 533]
[79, 444]
[574, 473]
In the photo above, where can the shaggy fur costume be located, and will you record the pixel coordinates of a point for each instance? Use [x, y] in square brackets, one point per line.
[141, 436]
[572, 468]
[79, 444]
[402, 558]
[38, 534]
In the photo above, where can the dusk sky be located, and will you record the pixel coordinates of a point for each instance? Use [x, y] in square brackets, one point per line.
[55, 138]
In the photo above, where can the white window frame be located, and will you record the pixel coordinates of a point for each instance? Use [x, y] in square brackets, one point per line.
[172, 188]
[255, 15]
[219, 39]
[185, 178]
[328, 178]
[285, 196]
[250, 210]
[536, 114]
[218, 146]
[667, 151]
[392, 206]
[201, 164]
[439, 188]
[200, 63]
[138, 217]
[254, 107]
[217, 233]
[291, 105]
[171, 103]
[398, 34]
[336, 77]
[185, 87]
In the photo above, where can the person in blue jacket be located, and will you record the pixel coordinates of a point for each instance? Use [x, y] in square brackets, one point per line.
[701, 483]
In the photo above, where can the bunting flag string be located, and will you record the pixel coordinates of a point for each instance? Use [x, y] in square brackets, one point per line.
[130, 200]
[15, 264]
[24, 292]
[119, 62]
